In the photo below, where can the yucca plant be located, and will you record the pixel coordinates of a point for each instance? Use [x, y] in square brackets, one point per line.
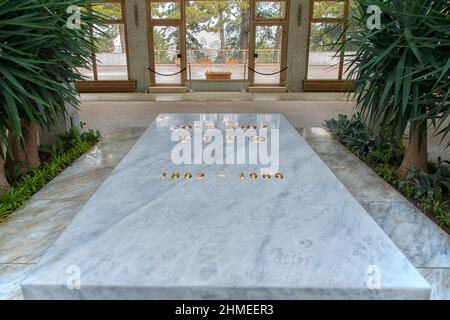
[39, 57]
[401, 70]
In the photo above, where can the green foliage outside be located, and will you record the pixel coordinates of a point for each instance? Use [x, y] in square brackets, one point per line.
[324, 35]
[230, 20]
[108, 32]
[431, 191]
[55, 158]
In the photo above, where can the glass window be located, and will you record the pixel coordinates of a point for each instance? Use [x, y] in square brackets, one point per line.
[217, 37]
[109, 37]
[165, 10]
[328, 9]
[270, 9]
[166, 46]
[268, 40]
[323, 62]
[111, 56]
[327, 25]
[108, 10]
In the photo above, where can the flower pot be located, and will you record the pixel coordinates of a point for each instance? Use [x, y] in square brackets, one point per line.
[218, 76]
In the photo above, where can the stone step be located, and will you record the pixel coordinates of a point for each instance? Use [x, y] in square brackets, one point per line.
[167, 89]
[266, 89]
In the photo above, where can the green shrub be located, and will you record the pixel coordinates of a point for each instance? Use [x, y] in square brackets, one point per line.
[353, 133]
[386, 152]
[388, 174]
[71, 139]
[427, 185]
[440, 209]
[366, 143]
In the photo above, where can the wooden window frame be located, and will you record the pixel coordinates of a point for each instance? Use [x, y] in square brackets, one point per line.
[255, 18]
[97, 85]
[321, 85]
[255, 22]
[181, 24]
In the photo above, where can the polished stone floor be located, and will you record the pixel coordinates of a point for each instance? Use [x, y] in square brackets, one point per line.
[29, 232]
[216, 96]
[107, 111]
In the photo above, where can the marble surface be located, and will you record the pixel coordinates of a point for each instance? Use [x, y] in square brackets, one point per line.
[111, 149]
[75, 183]
[301, 237]
[420, 239]
[29, 232]
[439, 279]
[11, 275]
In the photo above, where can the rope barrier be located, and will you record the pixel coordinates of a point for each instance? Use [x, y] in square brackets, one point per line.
[267, 74]
[167, 75]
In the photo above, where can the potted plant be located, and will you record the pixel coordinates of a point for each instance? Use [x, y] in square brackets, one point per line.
[217, 75]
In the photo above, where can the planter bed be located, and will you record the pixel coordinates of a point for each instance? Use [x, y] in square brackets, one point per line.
[54, 158]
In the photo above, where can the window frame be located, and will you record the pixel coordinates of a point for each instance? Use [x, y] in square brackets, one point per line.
[256, 22]
[178, 23]
[338, 84]
[260, 19]
[118, 85]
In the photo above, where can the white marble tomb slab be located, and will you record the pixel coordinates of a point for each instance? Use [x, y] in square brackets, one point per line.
[303, 237]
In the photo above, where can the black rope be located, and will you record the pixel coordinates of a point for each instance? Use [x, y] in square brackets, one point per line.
[267, 74]
[166, 75]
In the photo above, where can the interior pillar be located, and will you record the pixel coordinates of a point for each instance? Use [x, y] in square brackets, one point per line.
[137, 40]
[297, 44]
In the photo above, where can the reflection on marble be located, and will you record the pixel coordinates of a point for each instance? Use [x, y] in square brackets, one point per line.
[11, 275]
[419, 238]
[74, 183]
[314, 133]
[439, 279]
[302, 237]
[111, 149]
[29, 232]
[332, 152]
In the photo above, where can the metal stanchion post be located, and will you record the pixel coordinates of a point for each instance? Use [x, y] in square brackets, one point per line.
[245, 76]
[190, 79]
[146, 88]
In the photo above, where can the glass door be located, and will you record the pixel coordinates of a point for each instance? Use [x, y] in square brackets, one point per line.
[166, 55]
[268, 53]
[166, 43]
[267, 63]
